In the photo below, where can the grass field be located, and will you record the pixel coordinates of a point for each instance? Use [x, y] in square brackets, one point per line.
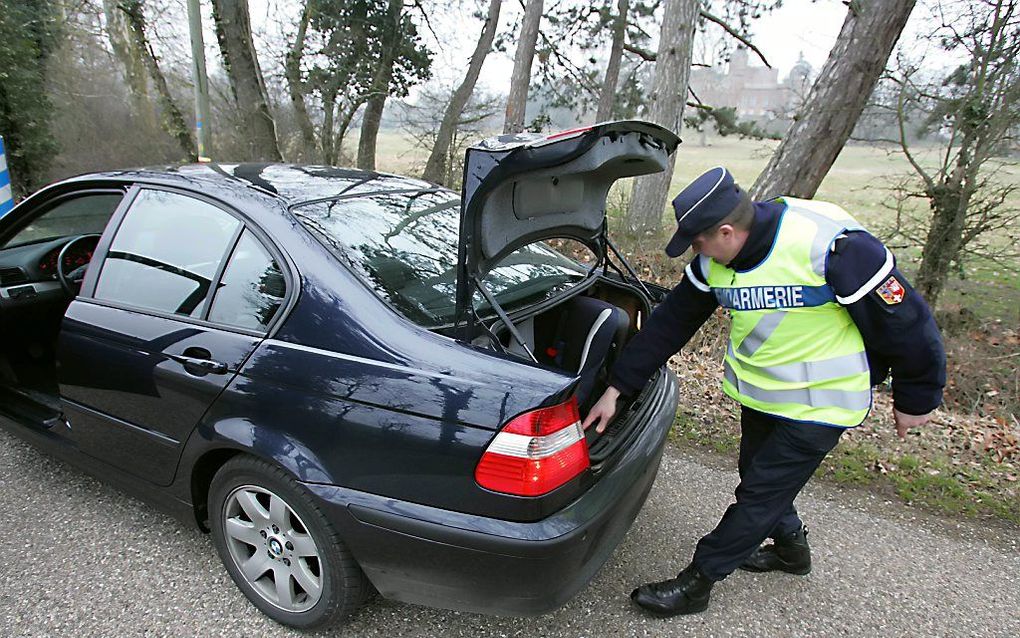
[860, 181]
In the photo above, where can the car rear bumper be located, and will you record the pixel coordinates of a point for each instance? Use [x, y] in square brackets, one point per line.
[440, 558]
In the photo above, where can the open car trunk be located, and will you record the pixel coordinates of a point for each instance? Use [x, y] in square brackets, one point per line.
[525, 188]
[583, 335]
[528, 188]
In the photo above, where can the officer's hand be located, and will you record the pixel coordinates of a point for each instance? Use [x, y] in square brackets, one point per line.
[603, 411]
[906, 421]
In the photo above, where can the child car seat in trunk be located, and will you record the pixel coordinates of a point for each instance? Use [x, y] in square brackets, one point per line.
[581, 336]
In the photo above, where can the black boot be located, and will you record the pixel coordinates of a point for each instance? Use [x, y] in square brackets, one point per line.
[789, 553]
[688, 593]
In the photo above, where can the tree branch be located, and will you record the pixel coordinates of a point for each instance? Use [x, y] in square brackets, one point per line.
[569, 66]
[645, 55]
[900, 117]
[425, 16]
[690, 89]
[735, 34]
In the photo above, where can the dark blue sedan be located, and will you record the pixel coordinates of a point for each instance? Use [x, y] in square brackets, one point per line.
[356, 381]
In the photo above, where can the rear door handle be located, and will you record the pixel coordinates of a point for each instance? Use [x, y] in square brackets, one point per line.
[207, 366]
[199, 361]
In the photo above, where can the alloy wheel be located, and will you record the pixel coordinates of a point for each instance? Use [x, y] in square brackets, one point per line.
[271, 547]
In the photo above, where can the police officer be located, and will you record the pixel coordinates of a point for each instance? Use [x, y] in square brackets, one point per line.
[819, 314]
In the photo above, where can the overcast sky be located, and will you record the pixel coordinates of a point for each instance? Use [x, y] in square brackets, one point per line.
[799, 27]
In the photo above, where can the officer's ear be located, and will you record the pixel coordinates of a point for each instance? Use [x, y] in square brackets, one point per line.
[725, 231]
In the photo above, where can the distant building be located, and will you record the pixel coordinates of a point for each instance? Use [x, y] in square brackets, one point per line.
[755, 91]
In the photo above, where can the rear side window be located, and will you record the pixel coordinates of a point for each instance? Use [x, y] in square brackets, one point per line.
[80, 215]
[252, 288]
[166, 253]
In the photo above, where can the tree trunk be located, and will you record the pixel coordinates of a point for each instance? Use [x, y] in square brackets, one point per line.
[983, 112]
[173, 120]
[380, 88]
[517, 101]
[328, 115]
[344, 126]
[943, 243]
[608, 96]
[435, 167]
[949, 198]
[370, 122]
[672, 72]
[122, 42]
[292, 71]
[233, 31]
[837, 99]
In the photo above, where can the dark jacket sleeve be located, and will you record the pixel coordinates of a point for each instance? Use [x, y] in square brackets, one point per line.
[896, 324]
[670, 326]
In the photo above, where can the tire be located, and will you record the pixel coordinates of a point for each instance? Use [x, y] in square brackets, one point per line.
[279, 548]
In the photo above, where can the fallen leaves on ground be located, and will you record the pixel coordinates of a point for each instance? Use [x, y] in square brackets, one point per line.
[979, 452]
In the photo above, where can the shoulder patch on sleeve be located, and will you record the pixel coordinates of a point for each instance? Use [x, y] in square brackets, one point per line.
[892, 291]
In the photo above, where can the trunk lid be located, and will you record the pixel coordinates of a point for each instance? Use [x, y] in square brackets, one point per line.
[519, 189]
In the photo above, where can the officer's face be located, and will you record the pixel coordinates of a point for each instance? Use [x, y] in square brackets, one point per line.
[721, 245]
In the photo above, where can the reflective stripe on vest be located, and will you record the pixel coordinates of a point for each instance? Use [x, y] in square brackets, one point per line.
[846, 399]
[793, 351]
[807, 371]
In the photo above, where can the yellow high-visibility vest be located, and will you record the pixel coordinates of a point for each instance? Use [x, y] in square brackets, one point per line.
[794, 352]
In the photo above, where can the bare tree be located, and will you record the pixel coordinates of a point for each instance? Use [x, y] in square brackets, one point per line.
[233, 32]
[606, 98]
[135, 73]
[378, 91]
[974, 113]
[173, 119]
[570, 73]
[435, 167]
[295, 84]
[517, 101]
[839, 95]
[422, 121]
[672, 72]
[347, 53]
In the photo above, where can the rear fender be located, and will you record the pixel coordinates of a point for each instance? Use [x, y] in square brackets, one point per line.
[260, 440]
[213, 443]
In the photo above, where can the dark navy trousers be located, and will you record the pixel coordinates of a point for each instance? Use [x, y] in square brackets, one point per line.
[777, 457]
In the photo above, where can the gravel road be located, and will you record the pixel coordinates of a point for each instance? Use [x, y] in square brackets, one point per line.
[81, 559]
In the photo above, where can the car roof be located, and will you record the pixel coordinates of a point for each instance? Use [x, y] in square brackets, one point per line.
[293, 183]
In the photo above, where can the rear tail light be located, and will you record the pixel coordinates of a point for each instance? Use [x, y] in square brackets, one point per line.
[535, 452]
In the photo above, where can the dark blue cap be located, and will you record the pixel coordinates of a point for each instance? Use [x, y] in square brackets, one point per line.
[702, 205]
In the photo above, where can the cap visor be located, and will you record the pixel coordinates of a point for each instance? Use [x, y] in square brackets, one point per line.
[678, 244]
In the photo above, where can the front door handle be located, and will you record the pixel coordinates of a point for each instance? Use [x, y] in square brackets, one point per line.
[199, 361]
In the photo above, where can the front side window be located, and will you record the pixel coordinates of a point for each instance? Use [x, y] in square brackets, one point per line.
[405, 246]
[252, 288]
[84, 214]
[166, 253]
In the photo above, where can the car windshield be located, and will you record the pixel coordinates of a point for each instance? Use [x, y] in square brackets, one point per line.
[404, 244]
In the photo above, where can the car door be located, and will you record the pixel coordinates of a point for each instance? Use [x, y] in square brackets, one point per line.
[151, 341]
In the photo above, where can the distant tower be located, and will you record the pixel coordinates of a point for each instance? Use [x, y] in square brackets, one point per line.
[800, 76]
[738, 61]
